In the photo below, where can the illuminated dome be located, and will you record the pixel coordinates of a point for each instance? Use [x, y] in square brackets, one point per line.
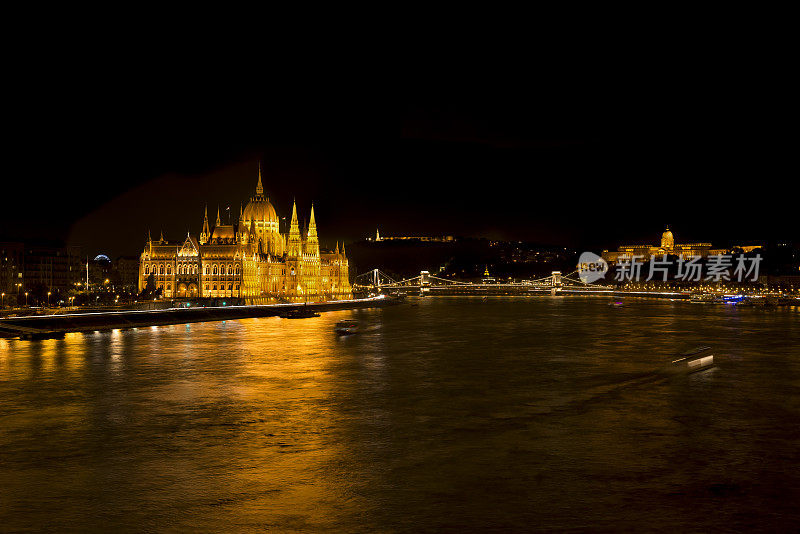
[260, 209]
[667, 240]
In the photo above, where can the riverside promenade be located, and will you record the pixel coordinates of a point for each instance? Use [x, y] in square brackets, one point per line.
[44, 326]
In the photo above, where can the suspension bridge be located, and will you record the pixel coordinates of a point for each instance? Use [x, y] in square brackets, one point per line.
[376, 281]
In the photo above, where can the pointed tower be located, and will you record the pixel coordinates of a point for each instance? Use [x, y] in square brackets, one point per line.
[259, 187]
[377, 235]
[295, 242]
[161, 240]
[337, 249]
[205, 235]
[312, 241]
[241, 227]
[219, 222]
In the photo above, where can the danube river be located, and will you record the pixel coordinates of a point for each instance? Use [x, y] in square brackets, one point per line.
[456, 414]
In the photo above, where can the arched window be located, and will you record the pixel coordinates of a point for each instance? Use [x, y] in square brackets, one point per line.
[169, 269]
[169, 286]
[237, 287]
[205, 287]
[194, 269]
[230, 287]
[146, 269]
[205, 269]
[161, 269]
[237, 270]
[215, 269]
[214, 287]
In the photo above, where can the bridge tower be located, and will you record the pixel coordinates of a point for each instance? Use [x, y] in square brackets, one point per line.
[556, 283]
[424, 282]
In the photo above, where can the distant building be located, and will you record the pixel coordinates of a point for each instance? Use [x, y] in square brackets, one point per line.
[37, 268]
[11, 266]
[127, 272]
[250, 259]
[436, 239]
[668, 247]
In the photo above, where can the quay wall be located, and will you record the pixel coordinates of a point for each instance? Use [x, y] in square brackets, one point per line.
[77, 322]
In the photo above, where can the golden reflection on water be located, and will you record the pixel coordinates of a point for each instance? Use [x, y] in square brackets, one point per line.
[454, 414]
[274, 372]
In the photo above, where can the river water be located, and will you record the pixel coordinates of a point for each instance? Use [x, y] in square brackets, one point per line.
[455, 415]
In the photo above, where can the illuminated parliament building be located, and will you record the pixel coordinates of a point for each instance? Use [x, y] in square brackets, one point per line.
[251, 260]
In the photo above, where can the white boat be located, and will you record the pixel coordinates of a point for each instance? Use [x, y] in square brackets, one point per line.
[346, 328]
[694, 360]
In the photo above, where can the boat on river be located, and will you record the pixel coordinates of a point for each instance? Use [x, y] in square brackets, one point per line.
[693, 360]
[299, 313]
[346, 328]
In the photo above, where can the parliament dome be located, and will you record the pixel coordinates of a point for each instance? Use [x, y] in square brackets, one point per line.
[260, 209]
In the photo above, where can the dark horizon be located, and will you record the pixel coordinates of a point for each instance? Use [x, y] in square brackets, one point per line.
[529, 167]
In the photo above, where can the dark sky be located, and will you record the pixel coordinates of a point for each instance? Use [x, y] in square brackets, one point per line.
[580, 154]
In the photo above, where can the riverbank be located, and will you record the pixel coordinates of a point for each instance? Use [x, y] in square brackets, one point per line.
[54, 325]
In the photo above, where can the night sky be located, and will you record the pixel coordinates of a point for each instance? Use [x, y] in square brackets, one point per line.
[583, 157]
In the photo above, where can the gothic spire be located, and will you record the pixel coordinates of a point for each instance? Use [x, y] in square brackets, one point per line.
[294, 241]
[312, 226]
[259, 187]
[206, 233]
[294, 229]
[219, 223]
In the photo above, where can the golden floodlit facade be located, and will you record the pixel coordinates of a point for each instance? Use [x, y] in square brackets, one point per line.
[668, 246]
[250, 260]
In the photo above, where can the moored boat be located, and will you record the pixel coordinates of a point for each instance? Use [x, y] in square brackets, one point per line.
[299, 313]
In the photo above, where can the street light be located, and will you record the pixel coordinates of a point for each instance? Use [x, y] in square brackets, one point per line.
[26, 298]
[48, 298]
[3, 300]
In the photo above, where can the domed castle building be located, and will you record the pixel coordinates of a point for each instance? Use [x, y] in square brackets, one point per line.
[251, 260]
[668, 247]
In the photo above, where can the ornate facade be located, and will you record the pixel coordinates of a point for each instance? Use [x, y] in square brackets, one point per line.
[668, 246]
[250, 260]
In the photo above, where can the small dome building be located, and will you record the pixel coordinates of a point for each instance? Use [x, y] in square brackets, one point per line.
[667, 241]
